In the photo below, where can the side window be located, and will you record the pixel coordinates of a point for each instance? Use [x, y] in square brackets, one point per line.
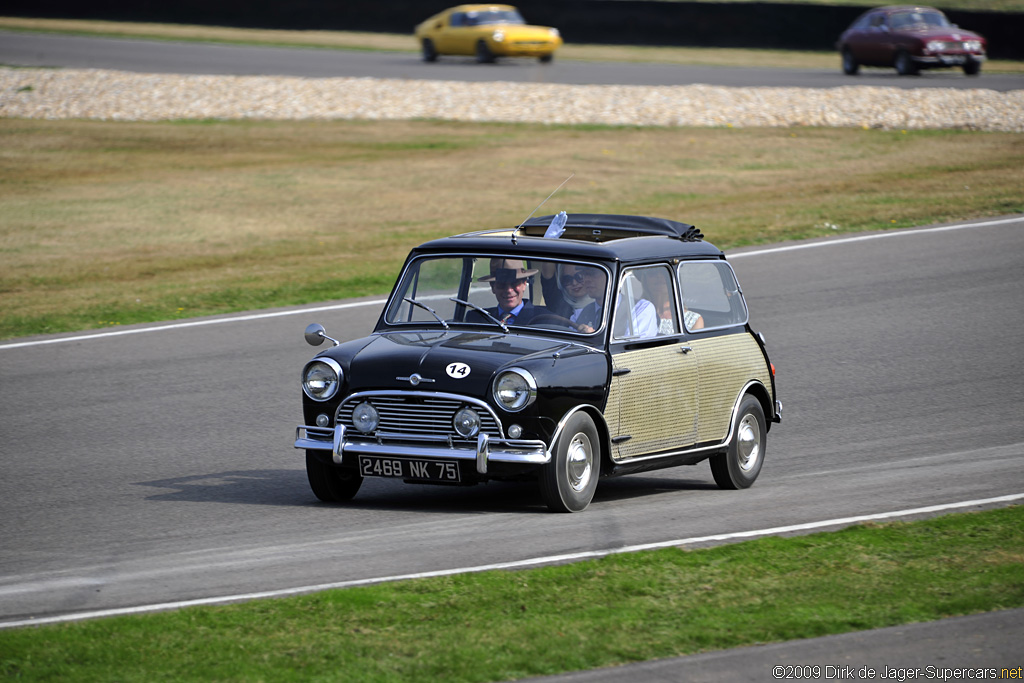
[645, 305]
[711, 296]
[458, 19]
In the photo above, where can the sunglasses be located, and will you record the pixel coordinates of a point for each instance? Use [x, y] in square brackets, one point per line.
[576, 278]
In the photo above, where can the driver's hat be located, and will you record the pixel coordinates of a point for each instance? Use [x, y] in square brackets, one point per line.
[507, 270]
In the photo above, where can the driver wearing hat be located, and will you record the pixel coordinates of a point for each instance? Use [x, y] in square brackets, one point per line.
[509, 279]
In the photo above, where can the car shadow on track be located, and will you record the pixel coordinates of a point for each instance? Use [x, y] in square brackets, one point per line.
[289, 488]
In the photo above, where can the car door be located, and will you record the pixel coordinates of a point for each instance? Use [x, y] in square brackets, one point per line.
[879, 43]
[729, 359]
[448, 34]
[652, 400]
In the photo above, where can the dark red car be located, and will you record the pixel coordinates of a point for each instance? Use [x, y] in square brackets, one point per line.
[909, 38]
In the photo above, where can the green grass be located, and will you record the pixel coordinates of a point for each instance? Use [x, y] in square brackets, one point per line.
[502, 625]
[113, 223]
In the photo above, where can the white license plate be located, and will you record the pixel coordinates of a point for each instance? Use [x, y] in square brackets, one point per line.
[409, 468]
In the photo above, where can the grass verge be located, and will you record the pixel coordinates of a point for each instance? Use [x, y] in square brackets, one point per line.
[502, 625]
[111, 223]
[394, 42]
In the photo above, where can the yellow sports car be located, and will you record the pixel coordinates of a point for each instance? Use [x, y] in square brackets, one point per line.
[486, 32]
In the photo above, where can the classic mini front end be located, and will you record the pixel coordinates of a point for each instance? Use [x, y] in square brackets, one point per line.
[614, 344]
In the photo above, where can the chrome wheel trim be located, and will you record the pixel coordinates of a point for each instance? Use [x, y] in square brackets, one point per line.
[579, 462]
[748, 443]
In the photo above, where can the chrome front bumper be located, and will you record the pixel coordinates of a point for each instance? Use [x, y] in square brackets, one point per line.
[486, 449]
[948, 60]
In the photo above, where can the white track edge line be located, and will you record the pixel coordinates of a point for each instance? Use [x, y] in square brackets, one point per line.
[380, 302]
[874, 236]
[518, 564]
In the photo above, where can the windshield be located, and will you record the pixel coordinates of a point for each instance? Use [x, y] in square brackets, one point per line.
[919, 20]
[502, 292]
[493, 16]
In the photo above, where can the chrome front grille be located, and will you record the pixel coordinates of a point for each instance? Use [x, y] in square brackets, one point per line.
[417, 414]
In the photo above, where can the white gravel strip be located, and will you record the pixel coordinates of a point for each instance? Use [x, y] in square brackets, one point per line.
[123, 96]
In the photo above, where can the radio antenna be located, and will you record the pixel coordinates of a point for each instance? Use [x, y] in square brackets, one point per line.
[516, 231]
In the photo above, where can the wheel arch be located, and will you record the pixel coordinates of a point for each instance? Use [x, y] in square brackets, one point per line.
[761, 393]
[603, 433]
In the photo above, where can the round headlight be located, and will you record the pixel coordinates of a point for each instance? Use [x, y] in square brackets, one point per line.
[935, 46]
[498, 36]
[365, 418]
[515, 389]
[467, 423]
[321, 378]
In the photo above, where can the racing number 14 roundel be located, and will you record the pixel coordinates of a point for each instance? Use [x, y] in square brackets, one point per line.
[457, 370]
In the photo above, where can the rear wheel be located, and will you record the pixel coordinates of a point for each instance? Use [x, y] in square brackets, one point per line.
[329, 483]
[429, 51]
[483, 53]
[905, 65]
[850, 65]
[738, 467]
[568, 482]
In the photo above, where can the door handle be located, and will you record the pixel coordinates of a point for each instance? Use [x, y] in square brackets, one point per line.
[685, 349]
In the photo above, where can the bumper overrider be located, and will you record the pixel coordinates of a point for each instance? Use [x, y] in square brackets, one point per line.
[345, 443]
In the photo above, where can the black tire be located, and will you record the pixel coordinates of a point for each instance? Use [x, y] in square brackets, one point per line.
[850, 65]
[905, 65]
[546, 59]
[483, 53]
[429, 51]
[972, 67]
[329, 483]
[739, 466]
[568, 482]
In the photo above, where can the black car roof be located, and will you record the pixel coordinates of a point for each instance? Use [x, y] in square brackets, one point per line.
[587, 235]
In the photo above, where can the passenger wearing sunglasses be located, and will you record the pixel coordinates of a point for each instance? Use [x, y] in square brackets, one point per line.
[565, 290]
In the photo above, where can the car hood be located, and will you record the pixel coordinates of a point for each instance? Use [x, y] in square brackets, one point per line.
[390, 360]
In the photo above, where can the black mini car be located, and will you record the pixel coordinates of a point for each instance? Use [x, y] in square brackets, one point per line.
[570, 348]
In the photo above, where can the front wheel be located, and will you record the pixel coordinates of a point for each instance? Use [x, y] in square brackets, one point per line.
[329, 483]
[546, 59]
[568, 482]
[483, 53]
[738, 467]
[905, 65]
[972, 67]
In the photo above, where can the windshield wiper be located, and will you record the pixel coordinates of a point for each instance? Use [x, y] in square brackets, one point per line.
[429, 310]
[481, 310]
